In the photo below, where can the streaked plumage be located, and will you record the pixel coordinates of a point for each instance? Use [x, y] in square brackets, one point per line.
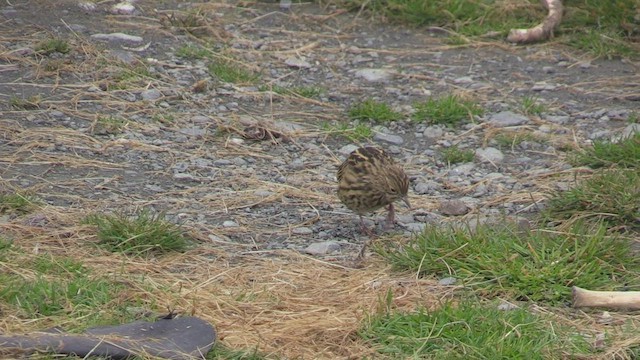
[368, 180]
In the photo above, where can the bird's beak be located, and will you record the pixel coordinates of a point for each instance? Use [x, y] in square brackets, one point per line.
[406, 201]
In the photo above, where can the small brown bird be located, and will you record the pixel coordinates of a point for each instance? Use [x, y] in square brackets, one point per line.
[368, 180]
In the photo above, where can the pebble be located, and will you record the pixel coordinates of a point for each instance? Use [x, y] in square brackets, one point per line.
[322, 248]
[230, 224]
[490, 154]
[347, 149]
[447, 281]
[302, 230]
[453, 207]
[507, 118]
[375, 75]
[298, 63]
[117, 37]
[389, 138]
[415, 227]
[151, 94]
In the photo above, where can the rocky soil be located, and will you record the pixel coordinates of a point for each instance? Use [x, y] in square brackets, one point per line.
[183, 142]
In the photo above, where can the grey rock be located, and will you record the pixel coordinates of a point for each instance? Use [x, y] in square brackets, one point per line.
[222, 162]
[507, 118]
[154, 188]
[433, 132]
[375, 75]
[389, 138]
[347, 149]
[415, 227]
[425, 187]
[322, 248]
[151, 94]
[549, 69]
[453, 207]
[490, 154]
[629, 131]
[302, 230]
[117, 37]
[230, 224]
[560, 119]
[183, 176]
[263, 193]
[462, 169]
[296, 62]
[447, 281]
[507, 307]
[541, 86]
[193, 131]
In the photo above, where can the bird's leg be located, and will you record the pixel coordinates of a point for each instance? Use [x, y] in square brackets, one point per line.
[372, 236]
[391, 216]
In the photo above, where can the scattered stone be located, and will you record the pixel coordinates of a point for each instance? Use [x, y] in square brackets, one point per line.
[117, 37]
[489, 154]
[302, 230]
[453, 207]
[507, 118]
[415, 227]
[507, 307]
[193, 131]
[447, 281]
[347, 149]
[230, 224]
[542, 86]
[151, 94]
[123, 8]
[389, 138]
[425, 187]
[375, 75]
[322, 248]
[296, 62]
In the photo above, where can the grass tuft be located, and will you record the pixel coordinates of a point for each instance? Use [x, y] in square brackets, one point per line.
[354, 133]
[192, 52]
[53, 45]
[625, 153]
[448, 110]
[471, 331]
[531, 266]
[531, 106]
[142, 234]
[455, 155]
[17, 203]
[31, 103]
[611, 195]
[373, 110]
[231, 72]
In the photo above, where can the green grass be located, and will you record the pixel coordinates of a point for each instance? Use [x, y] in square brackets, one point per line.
[58, 286]
[448, 110]
[192, 52]
[21, 103]
[302, 91]
[511, 139]
[221, 352]
[531, 106]
[471, 331]
[625, 153]
[18, 203]
[231, 72]
[355, 133]
[110, 125]
[611, 195]
[53, 45]
[530, 266]
[455, 155]
[373, 110]
[142, 234]
[603, 28]
[130, 77]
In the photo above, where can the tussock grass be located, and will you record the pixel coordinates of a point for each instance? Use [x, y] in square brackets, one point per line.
[625, 153]
[231, 71]
[373, 110]
[448, 110]
[141, 234]
[353, 132]
[611, 195]
[18, 203]
[455, 155]
[53, 45]
[471, 330]
[532, 266]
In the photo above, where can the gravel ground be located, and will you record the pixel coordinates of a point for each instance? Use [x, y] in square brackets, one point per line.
[184, 145]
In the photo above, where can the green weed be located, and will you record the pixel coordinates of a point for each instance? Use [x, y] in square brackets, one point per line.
[448, 110]
[373, 110]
